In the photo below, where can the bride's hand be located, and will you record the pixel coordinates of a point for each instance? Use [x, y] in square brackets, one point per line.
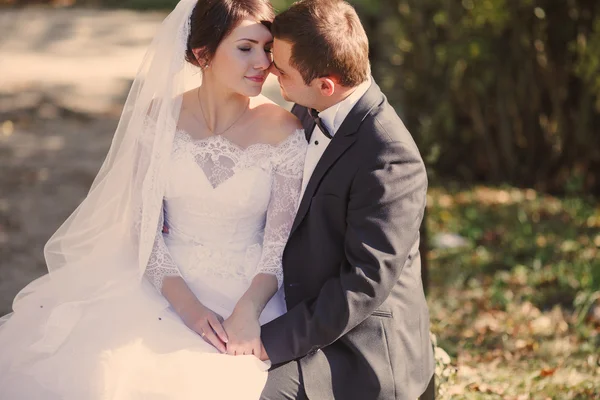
[243, 331]
[207, 324]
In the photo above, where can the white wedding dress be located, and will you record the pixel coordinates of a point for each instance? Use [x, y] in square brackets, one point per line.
[228, 211]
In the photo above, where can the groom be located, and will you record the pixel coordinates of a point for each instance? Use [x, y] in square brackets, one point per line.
[357, 325]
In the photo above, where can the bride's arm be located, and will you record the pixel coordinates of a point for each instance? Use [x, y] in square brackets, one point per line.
[165, 276]
[263, 287]
[160, 265]
[280, 217]
[243, 327]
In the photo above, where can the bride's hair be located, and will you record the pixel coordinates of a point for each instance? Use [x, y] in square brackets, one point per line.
[212, 20]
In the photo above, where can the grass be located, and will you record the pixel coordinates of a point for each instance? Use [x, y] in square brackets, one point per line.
[513, 308]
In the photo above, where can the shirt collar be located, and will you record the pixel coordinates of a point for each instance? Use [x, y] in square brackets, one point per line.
[334, 116]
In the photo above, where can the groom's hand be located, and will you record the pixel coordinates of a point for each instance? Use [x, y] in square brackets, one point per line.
[263, 353]
[243, 331]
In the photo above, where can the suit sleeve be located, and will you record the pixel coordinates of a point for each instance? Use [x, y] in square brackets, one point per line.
[385, 210]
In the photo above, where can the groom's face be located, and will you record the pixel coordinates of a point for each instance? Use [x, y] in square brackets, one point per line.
[291, 83]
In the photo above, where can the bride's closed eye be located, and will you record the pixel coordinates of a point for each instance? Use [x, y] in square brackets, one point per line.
[248, 49]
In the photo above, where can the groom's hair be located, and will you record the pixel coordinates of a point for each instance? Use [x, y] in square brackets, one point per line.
[327, 39]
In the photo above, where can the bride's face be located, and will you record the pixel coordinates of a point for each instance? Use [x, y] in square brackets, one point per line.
[243, 58]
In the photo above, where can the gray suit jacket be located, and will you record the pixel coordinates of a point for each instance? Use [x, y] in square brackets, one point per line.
[357, 318]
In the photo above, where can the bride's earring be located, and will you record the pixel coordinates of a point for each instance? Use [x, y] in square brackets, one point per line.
[203, 64]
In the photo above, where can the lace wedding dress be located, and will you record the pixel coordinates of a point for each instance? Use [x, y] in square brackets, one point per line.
[229, 211]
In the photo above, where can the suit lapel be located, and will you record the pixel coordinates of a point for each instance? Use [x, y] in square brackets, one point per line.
[337, 147]
[343, 139]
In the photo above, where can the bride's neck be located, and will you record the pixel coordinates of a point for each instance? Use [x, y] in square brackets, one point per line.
[220, 106]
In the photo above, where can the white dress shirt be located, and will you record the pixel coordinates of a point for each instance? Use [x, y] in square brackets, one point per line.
[332, 118]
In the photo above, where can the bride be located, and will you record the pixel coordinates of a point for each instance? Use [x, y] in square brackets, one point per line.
[159, 282]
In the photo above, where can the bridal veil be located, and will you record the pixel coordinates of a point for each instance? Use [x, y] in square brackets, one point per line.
[118, 219]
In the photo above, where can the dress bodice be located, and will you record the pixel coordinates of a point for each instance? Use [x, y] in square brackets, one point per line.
[228, 209]
[217, 192]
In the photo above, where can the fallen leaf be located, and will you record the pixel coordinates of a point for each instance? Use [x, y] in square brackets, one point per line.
[547, 372]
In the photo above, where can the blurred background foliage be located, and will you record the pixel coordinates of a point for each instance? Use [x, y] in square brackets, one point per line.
[495, 91]
[503, 99]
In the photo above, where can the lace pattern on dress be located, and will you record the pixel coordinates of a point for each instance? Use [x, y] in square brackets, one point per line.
[285, 191]
[220, 160]
[160, 264]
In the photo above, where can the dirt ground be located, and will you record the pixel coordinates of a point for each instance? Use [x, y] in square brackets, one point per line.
[64, 75]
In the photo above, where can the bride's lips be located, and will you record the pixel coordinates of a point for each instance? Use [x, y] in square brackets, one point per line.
[257, 78]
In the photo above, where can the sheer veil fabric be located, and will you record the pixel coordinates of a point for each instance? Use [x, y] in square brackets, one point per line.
[117, 221]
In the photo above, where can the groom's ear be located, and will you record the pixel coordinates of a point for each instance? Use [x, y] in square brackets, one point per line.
[327, 86]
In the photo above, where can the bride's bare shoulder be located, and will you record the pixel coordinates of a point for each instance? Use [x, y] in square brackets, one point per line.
[189, 99]
[274, 122]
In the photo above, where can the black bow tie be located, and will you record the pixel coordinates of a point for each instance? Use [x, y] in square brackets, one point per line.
[315, 115]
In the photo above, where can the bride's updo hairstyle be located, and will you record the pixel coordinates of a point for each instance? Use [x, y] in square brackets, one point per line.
[212, 20]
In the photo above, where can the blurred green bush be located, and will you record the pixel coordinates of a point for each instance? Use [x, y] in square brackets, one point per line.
[497, 90]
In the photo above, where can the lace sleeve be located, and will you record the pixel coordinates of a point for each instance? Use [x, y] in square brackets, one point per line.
[285, 193]
[160, 264]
